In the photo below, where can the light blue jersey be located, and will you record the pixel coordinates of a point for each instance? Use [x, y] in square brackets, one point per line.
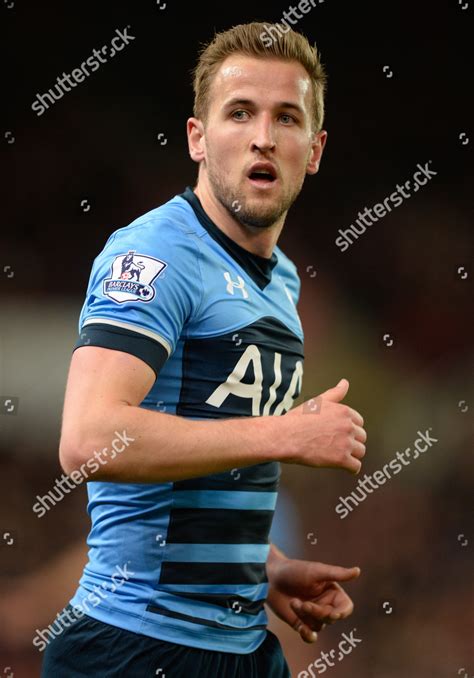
[219, 327]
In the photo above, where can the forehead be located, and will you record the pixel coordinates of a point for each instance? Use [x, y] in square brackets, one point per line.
[261, 79]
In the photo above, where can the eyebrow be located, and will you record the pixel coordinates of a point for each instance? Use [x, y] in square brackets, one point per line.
[248, 102]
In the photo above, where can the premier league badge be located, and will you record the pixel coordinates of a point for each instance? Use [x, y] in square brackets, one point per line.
[132, 277]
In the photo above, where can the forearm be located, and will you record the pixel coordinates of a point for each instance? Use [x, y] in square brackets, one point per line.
[166, 448]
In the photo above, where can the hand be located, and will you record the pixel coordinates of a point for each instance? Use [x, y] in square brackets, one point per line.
[322, 432]
[306, 595]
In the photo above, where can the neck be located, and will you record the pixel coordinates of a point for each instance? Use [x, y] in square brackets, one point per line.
[255, 240]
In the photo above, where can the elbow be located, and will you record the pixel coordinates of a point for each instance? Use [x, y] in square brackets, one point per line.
[89, 450]
[76, 456]
[71, 455]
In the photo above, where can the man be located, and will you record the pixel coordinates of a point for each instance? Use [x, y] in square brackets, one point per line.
[189, 367]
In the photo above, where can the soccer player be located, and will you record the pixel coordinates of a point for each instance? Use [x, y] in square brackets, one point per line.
[190, 350]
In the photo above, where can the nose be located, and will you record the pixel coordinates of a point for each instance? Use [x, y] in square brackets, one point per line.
[263, 139]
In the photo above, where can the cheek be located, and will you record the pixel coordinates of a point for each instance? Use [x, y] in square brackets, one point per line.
[223, 148]
[298, 157]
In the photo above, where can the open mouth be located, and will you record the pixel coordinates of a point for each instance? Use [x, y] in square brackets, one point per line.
[262, 177]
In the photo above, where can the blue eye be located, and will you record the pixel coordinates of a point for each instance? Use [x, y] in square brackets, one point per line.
[237, 112]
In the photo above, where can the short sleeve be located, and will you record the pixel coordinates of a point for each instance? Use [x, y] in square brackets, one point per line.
[144, 287]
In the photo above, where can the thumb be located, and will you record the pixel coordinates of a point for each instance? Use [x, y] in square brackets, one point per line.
[337, 393]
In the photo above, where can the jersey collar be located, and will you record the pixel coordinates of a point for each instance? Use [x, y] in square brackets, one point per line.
[258, 268]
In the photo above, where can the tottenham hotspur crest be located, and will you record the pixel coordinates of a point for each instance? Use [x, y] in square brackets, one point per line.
[132, 276]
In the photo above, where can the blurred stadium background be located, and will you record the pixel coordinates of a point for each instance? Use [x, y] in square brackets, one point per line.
[413, 537]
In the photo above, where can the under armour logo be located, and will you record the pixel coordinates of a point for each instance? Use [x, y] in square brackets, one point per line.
[240, 285]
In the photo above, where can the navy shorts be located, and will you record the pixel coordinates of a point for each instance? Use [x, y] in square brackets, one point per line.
[92, 649]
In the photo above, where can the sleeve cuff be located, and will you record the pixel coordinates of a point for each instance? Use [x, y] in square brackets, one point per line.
[147, 349]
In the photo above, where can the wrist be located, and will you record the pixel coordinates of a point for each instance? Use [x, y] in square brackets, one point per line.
[273, 439]
[275, 560]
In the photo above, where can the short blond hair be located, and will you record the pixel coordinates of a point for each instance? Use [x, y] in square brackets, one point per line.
[257, 40]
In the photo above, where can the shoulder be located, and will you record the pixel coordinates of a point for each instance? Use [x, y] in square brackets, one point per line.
[160, 246]
[286, 266]
[288, 272]
[172, 227]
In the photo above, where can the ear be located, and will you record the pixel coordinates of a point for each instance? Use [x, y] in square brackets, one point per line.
[317, 148]
[196, 139]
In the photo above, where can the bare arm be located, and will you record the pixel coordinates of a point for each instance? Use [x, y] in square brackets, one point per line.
[103, 394]
[104, 391]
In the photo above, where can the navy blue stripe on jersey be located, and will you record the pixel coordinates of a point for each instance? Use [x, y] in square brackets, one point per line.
[199, 620]
[258, 478]
[226, 600]
[212, 573]
[150, 351]
[271, 346]
[222, 526]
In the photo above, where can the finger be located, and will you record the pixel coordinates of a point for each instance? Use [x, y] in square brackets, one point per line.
[358, 450]
[360, 434]
[313, 614]
[357, 418]
[317, 624]
[352, 465]
[325, 572]
[345, 609]
[306, 633]
[340, 602]
[327, 613]
[313, 622]
[350, 462]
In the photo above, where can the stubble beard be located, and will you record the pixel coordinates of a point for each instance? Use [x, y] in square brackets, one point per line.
[260, 216]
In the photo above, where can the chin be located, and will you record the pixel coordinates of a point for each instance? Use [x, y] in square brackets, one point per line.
[258, 218]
